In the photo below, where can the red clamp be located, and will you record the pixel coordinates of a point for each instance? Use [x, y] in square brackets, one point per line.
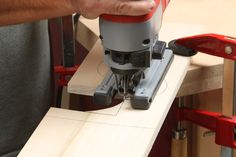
[224, 127]
[216, 45]
[213, 44]
[64, 74]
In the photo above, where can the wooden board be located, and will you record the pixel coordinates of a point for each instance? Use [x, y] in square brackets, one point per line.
[87, 32]
[118, 131]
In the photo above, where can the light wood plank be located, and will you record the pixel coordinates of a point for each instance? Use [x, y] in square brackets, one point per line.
[133, 132]
[87, 32]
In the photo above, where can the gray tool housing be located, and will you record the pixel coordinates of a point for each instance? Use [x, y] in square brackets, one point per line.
[127, 38]
[130, 48]
[146, 89]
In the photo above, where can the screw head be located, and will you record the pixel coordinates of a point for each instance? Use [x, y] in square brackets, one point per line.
[228, 50]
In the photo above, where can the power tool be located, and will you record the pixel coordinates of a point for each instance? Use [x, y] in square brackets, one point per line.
[138, 61]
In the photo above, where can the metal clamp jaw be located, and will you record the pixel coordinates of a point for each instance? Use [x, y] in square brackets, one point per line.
[212, 44]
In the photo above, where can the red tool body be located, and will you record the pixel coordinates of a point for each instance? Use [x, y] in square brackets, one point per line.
[221, 46]
[136, 19]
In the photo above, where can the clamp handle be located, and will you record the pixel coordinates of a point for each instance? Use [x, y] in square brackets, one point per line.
[212, 44]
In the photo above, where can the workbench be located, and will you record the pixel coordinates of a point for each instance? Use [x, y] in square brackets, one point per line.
[120, 130]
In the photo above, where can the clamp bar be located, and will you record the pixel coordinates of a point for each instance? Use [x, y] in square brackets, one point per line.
[68, 40]
[224, 127]
[68, 67]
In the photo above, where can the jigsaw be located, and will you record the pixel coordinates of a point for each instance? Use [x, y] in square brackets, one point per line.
[137, 60]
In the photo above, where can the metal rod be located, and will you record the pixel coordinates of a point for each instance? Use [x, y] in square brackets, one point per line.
[180, 105]
[226, 152]
[180, 133]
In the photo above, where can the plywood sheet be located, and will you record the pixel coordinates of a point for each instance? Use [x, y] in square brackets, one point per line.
[117, 131]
